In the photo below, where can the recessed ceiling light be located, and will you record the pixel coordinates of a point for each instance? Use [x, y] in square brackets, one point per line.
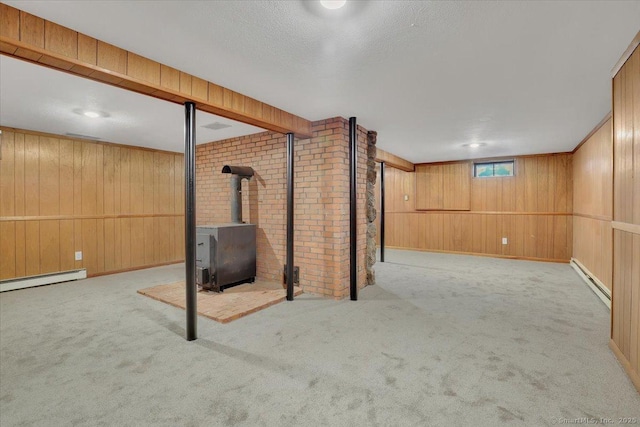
[474, 145]
[90, 113]
[333, 4]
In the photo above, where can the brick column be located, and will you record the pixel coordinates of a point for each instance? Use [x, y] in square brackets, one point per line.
[321, 201]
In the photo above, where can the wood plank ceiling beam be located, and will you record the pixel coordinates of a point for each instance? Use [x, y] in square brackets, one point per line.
[37, 40]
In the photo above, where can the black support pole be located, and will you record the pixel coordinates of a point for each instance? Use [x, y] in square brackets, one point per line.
[353, 208]
[190, 218]
[382, 212]
[289, 271]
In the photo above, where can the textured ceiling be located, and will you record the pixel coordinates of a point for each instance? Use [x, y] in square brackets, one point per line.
[41, 99]
[522, 77]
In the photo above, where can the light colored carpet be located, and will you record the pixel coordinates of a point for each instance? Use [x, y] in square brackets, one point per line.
[232, 304]
[446, 340]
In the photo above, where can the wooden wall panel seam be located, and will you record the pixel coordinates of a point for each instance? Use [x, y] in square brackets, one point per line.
[480, 233]
[50, 231]
[625, 327]
[592, 202]
[498, 209]
[39, 230]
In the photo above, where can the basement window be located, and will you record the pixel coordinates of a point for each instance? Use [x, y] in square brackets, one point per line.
[491, 169]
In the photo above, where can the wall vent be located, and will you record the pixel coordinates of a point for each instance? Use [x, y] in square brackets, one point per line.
[216, 126]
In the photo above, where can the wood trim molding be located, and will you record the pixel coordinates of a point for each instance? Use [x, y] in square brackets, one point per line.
[627, 53]
[433, 211]
[79, 217]
[495, 159]
[593, 131]
[598, 217]
[141, 267]
[43, 42]
[625, 226]
[560, 261]
[635, 378]
[394, 161]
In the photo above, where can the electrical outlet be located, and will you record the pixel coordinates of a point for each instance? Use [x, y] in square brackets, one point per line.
[406, 197]
[79, 256]
[504, 240]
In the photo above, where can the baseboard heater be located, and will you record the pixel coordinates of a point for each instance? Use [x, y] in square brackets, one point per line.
[596, 286]
[43, 279]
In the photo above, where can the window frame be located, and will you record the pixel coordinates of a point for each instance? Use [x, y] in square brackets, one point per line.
[493, 163]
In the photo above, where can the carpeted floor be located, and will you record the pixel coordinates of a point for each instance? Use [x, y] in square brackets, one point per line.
[441, 340]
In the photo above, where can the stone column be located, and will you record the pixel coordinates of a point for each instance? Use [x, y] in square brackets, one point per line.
[371, 206]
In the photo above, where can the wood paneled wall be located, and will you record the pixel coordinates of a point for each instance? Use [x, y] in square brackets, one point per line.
[532, 210]
[625, 310]
[121, 206]
[443, 186]
[593, 204]
[593, 175]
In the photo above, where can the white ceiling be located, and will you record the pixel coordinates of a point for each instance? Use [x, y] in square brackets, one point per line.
[522, 77]
[38, 98]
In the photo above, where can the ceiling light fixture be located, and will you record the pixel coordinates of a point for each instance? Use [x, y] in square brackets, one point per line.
[333, 4]
[474, 144]
[94, 114]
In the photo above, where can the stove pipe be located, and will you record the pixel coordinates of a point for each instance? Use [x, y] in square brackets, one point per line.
[238, 173]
